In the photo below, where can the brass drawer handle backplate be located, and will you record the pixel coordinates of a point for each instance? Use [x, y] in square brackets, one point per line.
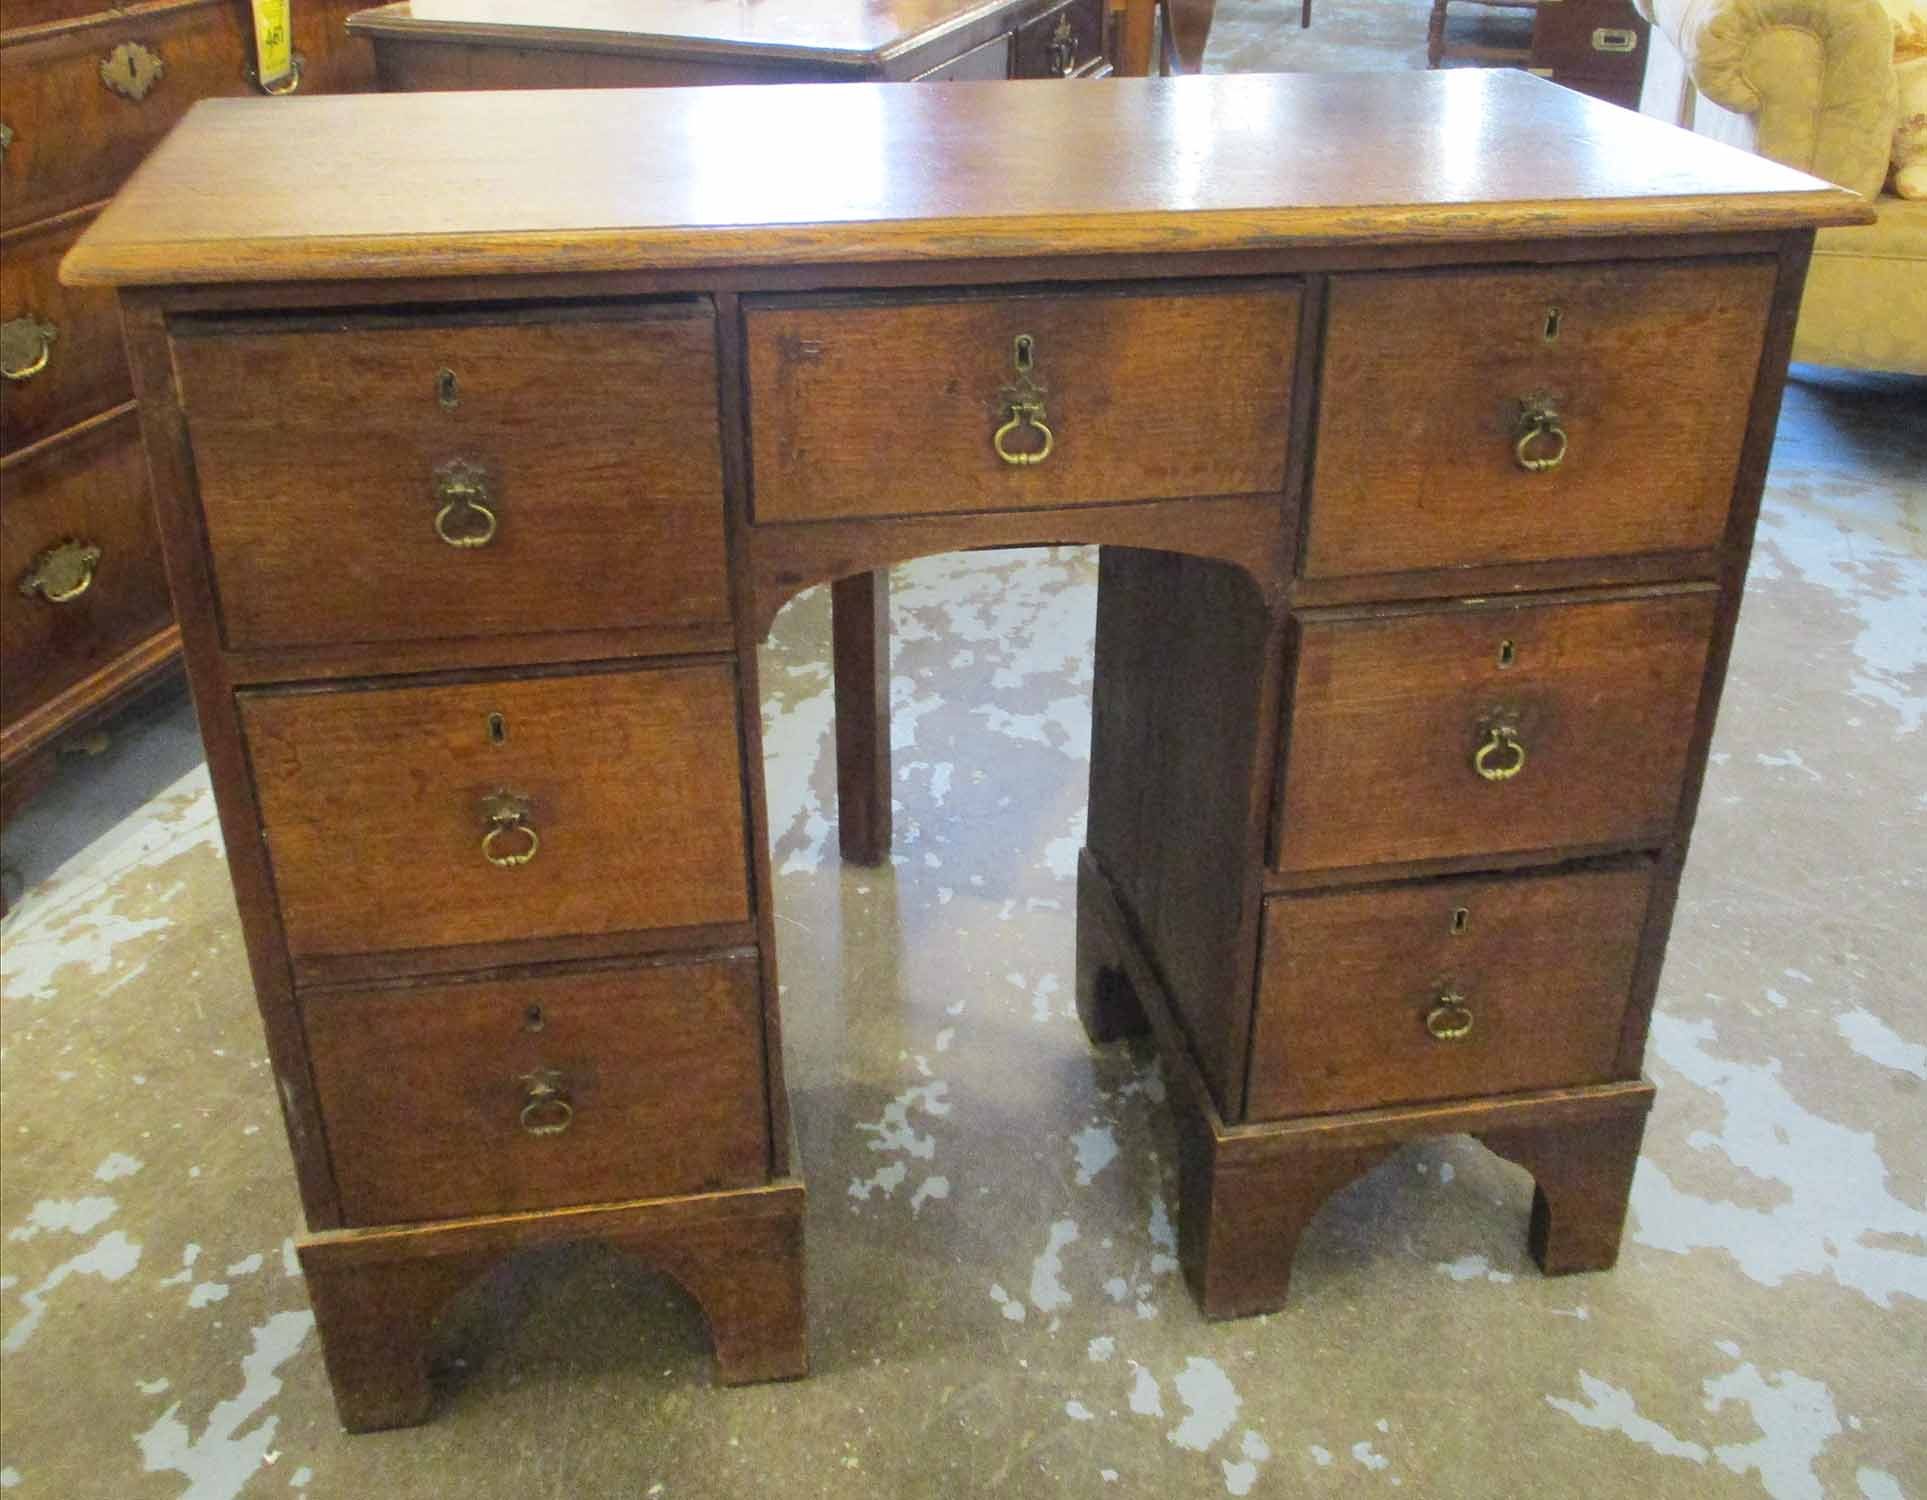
[510, 841]
[132, 70]
[26, 344]
[1023, 398]
[1450, 1020]
[465, 519]
[546, 1109]
[62, 573]
[1542, 442]
[1501, 754]
[1062, 53]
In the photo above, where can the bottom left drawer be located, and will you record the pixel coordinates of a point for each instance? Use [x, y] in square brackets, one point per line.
[446, 1100]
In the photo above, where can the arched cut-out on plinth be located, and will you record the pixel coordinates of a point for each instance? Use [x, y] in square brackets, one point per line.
[1247, 1192]
[377, 1293]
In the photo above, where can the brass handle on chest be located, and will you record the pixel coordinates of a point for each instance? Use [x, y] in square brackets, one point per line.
[62, 573]
[26, 345]
[286, 84]
[1542, 442]
[1063, 49]
[1450, 1020]
[1024, 414]
[1501, 754]
[546, 1109]
[510, 841]
[466, 519]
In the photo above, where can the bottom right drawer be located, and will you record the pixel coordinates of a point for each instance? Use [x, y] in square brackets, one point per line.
[1443, 989]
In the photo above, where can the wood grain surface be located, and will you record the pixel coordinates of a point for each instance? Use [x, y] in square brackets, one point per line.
[406, 185]
[372, 803]
[888, 405]
[1389, 711]
[87, 485]
[423, 1089]
[596, 436]
[1426, 376]
[1347, 979]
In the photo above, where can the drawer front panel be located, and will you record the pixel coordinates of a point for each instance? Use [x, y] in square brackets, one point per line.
[1605, 41]
[1437, 734]
[86, 105]
[1059, 42]
[80, 564]
[60, 346]
[458, 1099]
[981, 64]
[881, 406]
[1635, 378]
[564, 474]
[1443, 989]
[388, 811]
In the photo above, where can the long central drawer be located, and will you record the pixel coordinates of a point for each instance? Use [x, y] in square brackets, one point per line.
[865, 405]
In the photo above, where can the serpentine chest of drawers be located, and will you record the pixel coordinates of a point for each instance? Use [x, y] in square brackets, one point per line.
[1424, 468]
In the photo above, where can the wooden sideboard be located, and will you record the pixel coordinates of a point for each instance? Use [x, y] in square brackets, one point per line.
[1425, 473]
[85, 92]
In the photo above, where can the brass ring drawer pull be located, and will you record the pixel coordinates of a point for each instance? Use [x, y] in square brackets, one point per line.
[465, 519]
[546, 1109]
[508, 817]
[1024, 414]
[287, 84]
[1451, 1019]
[1062, 52]
[1500, 740]
[26, 345]
[62, 573]
[1542, 442]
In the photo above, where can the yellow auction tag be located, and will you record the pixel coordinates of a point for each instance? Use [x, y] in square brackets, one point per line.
[274, 45]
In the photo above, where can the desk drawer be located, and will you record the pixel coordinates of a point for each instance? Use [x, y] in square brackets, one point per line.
[61, 345]
[1060, 42]
[1430, 379]
[1406, 725]
[370, 480]
[1443, 989]
[456, 1099]
[80, 566]
[872, 406]
[397, 817]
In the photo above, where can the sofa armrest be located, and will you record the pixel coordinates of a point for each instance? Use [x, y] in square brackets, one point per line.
[1816, 76]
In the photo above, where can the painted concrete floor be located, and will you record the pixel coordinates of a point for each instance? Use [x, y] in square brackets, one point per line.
[994, 1302]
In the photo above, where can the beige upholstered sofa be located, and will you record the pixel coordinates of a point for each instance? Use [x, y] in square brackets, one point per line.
[1809, 83]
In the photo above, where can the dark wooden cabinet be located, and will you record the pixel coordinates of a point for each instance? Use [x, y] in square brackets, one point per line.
[85, 93]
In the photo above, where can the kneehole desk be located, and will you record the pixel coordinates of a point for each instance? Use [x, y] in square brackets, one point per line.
[1422, 420]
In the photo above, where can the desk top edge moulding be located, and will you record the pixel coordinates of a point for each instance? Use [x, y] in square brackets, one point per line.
[1402, 408]
[613, 180]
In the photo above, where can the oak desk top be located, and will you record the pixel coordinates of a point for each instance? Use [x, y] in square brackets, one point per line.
[605, 180]
[857, 32]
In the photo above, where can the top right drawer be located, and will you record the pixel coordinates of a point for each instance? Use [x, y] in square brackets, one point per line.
[1478, 418]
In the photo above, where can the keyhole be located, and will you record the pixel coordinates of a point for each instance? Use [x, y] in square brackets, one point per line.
[1553, 317]
[1022, 352]
[446, 391]
[1460, 918]
[1506, 654]
[498, 730]
[532, 1019]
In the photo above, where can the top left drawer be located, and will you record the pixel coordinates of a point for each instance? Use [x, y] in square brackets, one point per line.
[372, 478]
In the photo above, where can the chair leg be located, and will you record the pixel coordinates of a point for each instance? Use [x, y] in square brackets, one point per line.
[1304, 16]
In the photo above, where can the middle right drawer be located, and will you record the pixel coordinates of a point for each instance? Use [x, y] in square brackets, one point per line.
[1492, 727]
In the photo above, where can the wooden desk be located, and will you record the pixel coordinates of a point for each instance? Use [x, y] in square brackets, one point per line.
[429, 45]
[1425, 467]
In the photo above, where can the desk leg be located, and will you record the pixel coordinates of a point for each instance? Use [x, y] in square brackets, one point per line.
[860, 631]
